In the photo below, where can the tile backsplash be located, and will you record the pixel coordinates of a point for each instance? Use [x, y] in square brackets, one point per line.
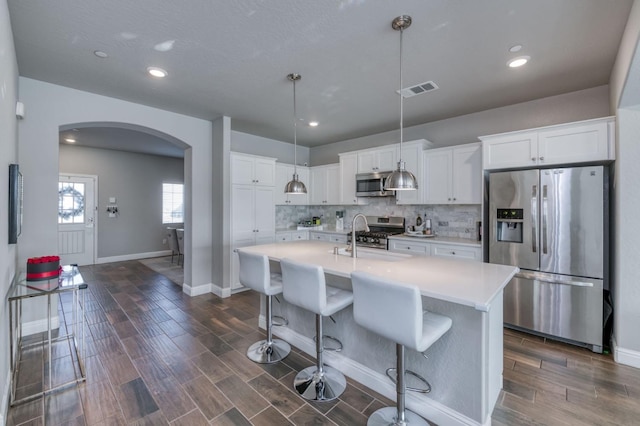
[447, 220]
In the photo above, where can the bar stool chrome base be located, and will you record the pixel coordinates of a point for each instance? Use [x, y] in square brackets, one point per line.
[388, 416]
[264, 352]
[325, 385]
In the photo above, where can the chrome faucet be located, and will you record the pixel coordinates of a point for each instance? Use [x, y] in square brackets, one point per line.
[353, 232]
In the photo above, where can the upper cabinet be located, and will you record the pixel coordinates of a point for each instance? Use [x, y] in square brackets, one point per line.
[348, 171]
[325, 185]
[453, 175]
[412, 156]
[378, 159]
[284, 173]
[252, 170]
[580, 142]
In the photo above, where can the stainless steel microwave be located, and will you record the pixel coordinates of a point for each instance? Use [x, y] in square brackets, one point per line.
[372, 185]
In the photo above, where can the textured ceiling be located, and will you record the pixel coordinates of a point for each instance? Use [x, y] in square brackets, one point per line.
[232, 57]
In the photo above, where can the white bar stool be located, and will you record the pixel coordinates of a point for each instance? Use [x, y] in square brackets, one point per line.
[305, 286]
[255, 274]
[394, 311]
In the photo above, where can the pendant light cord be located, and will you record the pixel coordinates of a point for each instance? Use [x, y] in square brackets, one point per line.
[401, 99]
[295, 132]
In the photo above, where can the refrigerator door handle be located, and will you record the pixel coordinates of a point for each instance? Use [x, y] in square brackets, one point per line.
[545, 214]
[534, 218]
[552, 280]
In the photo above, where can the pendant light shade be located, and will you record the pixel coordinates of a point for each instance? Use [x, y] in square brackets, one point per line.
[401, 179]
[295, 186]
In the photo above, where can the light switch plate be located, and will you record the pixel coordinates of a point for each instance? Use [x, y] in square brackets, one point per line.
[112, 200]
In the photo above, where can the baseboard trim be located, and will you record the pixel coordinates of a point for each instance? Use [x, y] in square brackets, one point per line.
[220, 292]
[4, 412]
[134, 256]
[197, 290]
[423, 406]
[625, 356]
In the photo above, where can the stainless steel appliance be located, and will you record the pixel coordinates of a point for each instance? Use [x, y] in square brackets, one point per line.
[372, 185]
[380, 227]
[552, 224]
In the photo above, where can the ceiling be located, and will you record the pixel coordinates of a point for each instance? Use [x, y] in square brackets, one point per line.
[232, 57]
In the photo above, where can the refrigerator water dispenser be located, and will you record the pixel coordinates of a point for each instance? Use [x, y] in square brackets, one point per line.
[509, 225]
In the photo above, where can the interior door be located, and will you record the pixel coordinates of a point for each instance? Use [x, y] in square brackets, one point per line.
[76, 219]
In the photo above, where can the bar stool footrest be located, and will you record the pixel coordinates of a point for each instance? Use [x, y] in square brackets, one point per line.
[338, 344]
[280, 321]
[394, 379]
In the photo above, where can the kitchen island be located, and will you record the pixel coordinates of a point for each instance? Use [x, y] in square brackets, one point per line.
[464, 367]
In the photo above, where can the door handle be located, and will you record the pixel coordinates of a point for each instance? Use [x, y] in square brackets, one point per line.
[534, 218]
[544, 219]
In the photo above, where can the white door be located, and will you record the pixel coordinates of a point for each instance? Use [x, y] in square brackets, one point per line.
[76, 219]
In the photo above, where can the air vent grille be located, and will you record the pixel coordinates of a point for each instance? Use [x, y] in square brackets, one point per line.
[418, 89]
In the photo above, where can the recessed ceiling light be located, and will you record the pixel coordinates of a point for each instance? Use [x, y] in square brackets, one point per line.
[157, 72]
[70, 140]
[518, 62]
[515, 48]
[313, 123]
[100, 53]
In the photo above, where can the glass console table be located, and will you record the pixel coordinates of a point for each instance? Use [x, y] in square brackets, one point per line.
[70, 281]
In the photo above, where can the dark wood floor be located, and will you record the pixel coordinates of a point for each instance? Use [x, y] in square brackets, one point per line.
[156, 356]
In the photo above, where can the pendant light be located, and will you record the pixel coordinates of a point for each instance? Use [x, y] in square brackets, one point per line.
[401, 179]
[294, 186]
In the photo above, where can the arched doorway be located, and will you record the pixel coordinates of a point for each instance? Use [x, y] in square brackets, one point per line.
[128, 166]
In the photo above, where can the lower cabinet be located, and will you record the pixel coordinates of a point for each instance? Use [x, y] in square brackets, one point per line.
[284, 236]
[461, 252]
[327, 236]
[435, 248]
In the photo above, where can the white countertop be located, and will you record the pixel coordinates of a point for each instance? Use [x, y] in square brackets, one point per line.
[438, 239]
[465, 282]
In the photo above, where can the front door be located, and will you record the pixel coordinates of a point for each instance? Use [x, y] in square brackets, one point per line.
[76, 219]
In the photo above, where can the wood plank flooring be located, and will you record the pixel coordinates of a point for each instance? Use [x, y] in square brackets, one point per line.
[156, 356]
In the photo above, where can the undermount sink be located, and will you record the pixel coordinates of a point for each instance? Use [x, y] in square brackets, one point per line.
[382, 255]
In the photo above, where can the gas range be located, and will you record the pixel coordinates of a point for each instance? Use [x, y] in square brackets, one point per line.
[380, 227]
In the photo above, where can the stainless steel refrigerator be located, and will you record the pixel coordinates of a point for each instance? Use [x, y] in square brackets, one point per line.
[552, 224]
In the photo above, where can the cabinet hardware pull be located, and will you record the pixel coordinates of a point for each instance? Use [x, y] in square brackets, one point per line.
[533, 158]
[541, 158]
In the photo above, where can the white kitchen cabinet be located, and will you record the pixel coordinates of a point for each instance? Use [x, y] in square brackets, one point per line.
[412, 156]
[337, 238]
[284, 173]
[253, 218]
[252, 221]
[252, 170]
[284, 236]
[378, 159]
[570, 143]
[325, 185]
[348, 171]
[456, 251]
[415, 248]
[438, 247]
[453, 175]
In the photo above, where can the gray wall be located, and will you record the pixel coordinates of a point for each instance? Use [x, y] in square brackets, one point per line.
[136, 182]
[257, 145]
[625, 102]
[574, 106]
[8, 155]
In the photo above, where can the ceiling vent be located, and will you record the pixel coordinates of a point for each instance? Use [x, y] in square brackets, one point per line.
[418, 89]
